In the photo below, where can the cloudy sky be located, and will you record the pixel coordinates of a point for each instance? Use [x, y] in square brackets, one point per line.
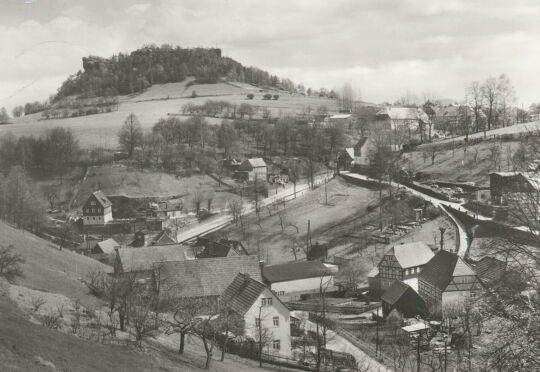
[382, 47]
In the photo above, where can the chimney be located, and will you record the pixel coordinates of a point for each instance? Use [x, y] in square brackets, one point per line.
[261, 266]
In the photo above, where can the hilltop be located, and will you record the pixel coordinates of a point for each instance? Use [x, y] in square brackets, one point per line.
[131, 73]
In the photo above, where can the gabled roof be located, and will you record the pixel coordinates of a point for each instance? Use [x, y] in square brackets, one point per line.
[374, 272]
[102, 199]
[108, 246]
[242, 293]
[164, 238]
[361, 142]
[411, 254]
[205, 277]
[403, 113]
[256, 162]
[490, 270]
[394, 293]
[295, 270]
[140, 259]
[440, 270]
[350, 151]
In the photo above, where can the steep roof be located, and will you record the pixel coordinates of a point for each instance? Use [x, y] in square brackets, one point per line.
[164, 238]
[295, 270]
[102, 199]
[404, 113]
[394, 293]
[138, 259]
[108, 246]
[440, 270]
[350, 152]
[411, 254]
[242, 293]
[206, 277]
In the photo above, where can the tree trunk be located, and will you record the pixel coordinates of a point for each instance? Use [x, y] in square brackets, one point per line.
[182, 343]
[208, 348]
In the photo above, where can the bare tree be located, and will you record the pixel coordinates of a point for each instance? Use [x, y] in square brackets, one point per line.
[236, 208]
[197, 199]
[475, 99]
[130, 135]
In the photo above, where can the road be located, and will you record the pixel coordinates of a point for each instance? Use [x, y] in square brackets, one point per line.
[222, 220]
[533, 126]
[463, 240]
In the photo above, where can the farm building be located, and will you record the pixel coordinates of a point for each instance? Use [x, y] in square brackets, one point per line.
[260, 308]
[142, 259]
[447, 280]
[402, 262]
[207, 248]
[401, 122]
[402, 298]
[97, 210]
[145, 238]
[250, 169]
[296, 278]
[208, 277]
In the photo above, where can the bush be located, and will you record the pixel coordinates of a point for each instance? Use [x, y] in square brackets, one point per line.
[267, 96]
[194, 94]
[51, 321]
[276, 97]
[432, 212]
[250, 96]
[10, 263]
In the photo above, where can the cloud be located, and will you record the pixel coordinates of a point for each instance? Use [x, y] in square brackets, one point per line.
[383, 47]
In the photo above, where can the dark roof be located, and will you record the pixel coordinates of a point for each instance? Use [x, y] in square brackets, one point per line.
[212, 249]
[295, 270]
[440, 270]
[164, 238]
[490, 270]
[102, 199]
[207, 276]
[394, 293]
[242, 293]
[361, 142]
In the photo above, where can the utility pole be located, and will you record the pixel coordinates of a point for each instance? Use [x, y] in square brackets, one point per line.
[418, 351]
[442, 230]
[325, 190]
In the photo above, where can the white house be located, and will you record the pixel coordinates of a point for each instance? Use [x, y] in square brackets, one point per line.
[253, 168]
[295, 278]
[402, 262]
[97, 210]
[263, 312]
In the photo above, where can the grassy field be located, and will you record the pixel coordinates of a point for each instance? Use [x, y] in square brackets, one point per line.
[49, 269]
[345, 202]
[461, 166]
[159, 100]
[120, 180]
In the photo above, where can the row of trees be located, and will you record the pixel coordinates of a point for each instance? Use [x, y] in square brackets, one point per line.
[19, 201]
[51, 153]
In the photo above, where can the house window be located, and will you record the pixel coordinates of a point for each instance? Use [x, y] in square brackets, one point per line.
[275, 320]
[276, 345]
[266, 301]
[257, 322]
[473, 294]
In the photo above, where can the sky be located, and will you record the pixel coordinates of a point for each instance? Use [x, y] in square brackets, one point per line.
[382, 47]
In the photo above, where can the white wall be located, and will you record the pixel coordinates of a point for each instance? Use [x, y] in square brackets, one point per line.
[456, 297]
[299, 285]
[268, 312]
[412, 282]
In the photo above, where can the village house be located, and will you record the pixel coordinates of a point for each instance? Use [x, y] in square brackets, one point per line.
[402, 298]
[97, 210]
[143, 259]
[252, 169]
[447, 280]
[262, 311]
[94, 246]
[456, 119]
[145, 238]
[358, 156]
[401, 122]
[166, 209]
[291, 280]
[208, 248]
[208, 277]
[402, 262]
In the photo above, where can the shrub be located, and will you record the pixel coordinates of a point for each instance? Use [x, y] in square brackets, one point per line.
[276, 97]
[37, 302]
[432, 212]
[51, 321]
[267, 96]
[194, 94]
[10, 263]
[250, 96]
